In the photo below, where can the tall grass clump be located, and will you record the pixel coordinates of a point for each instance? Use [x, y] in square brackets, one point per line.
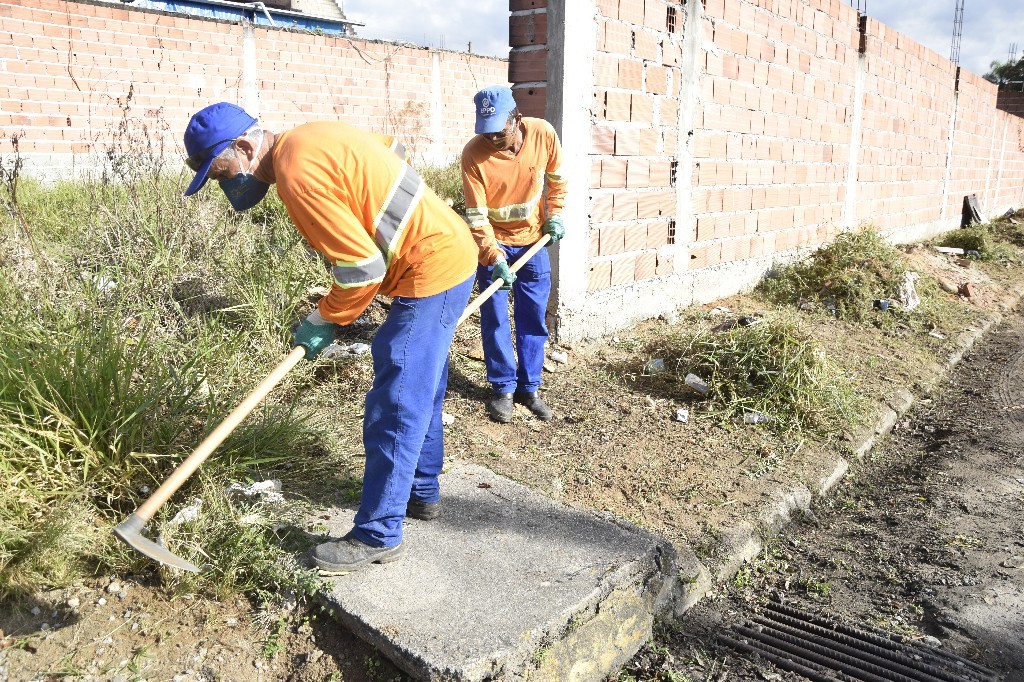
[980, 237]
[446, 181]
[771, 368]
[843, 277]
[132, 324]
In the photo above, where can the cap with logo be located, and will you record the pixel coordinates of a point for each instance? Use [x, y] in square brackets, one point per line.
[209, 132]
[493, 106]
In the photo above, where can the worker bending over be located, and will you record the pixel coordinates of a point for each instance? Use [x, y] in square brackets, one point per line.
[358, 203]
[511, 173]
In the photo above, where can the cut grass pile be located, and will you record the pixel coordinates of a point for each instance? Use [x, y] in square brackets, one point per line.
[770, 369]
[843, 277]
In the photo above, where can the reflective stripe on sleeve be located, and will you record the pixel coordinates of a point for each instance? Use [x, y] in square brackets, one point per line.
[359, 273]
[399, 149]
[476, 217]
[556, 176]
[402, 200]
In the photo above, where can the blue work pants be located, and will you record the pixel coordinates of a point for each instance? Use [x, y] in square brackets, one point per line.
[402, 430]
[520, 369]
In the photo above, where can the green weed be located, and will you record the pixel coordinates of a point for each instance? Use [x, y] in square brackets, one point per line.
[842, 277]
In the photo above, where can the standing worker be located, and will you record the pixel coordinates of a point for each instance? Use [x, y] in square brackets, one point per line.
[384, 231]
[511, 174]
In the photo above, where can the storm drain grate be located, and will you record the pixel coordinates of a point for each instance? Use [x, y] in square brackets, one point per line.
[822, 649]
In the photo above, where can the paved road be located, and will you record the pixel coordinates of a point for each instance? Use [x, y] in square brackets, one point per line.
[926, 537]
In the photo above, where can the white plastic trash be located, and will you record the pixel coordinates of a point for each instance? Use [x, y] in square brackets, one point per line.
[682, 415]
[697, 384]
[447, 419]
[908, 292]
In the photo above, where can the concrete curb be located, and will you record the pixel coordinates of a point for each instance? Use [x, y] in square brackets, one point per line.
[728, 548]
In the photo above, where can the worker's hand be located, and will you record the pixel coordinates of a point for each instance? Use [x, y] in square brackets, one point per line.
[314, 334]
[501, 271]
[553, 228]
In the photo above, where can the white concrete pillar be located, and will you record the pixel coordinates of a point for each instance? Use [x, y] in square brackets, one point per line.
[570, 84]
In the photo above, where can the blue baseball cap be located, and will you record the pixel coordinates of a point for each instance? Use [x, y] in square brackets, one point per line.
[493, 106]
[209, 132]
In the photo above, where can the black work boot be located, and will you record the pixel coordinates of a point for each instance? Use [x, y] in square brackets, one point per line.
[534, 403]
[424, 511]
[499, 406]
[350, 554]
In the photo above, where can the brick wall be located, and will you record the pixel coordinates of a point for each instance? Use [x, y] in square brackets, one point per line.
[1011, 102]
[71, 73]
[728, 134]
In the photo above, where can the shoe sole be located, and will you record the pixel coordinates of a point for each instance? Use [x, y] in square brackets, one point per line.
[327, 568]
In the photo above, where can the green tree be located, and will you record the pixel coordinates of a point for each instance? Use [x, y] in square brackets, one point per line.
[1007, 75]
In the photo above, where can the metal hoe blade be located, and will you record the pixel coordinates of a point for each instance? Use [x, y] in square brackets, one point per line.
[130, 532]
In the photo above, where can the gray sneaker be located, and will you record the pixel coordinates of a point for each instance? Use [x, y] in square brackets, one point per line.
[534, 403]
[500, 407]
[350, 554]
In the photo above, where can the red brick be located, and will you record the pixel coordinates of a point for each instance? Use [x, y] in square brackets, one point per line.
[624, 270]
[601, 207]
[608, 8]
[665, 264]
[638, 174]
[656, 204]
[631, 74]
[527, 65]
[618, 38]
[613, 173]
[657, 234]
[606, 71]
[646, 265]
[625, 206]
[602, 140]
[627, 141]
[599, 276]
[527, 29]
[632, 11]
[648, 141]
[612, 240]
[516, 5]
[636, 237]
[617, 106]
[642, 110]
[657, 80]
[646, 45]
[530, 100]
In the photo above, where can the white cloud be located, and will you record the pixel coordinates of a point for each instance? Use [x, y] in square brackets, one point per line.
[988, 29]
[454, 25]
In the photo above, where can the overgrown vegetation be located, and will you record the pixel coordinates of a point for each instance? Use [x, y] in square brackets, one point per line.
[843, 277]
[979, 238]
[765, 370]
[134, 320]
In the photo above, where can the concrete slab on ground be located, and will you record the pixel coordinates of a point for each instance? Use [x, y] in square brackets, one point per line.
[508, 584]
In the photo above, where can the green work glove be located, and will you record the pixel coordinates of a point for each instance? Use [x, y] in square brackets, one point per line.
[553, 228]
[314, 334]
[501, 271]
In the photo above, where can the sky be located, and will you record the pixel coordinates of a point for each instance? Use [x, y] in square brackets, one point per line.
[989, 26]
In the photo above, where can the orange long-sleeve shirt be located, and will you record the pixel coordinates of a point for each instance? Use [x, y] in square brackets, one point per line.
[371, 215]
[505, 191]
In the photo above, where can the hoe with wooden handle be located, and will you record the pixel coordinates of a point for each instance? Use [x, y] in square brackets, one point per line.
[130, 530]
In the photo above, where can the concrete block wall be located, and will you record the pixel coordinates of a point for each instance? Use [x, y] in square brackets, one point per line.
[780, 122]
[74, 74]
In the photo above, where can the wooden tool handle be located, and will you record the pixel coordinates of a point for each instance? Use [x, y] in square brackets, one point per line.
[497, 284]
[217, 436]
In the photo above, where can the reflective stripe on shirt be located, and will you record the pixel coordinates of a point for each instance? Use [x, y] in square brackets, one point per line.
[359, 273]
[405, 194]
[515, 212]
[555, 176]
[476, 217]
[399, 149]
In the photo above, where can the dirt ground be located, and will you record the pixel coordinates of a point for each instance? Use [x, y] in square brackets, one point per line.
[924, 538]
[613, 445]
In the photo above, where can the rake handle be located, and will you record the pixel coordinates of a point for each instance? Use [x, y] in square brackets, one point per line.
[217, 436]
[149, 508]
[497, 284]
